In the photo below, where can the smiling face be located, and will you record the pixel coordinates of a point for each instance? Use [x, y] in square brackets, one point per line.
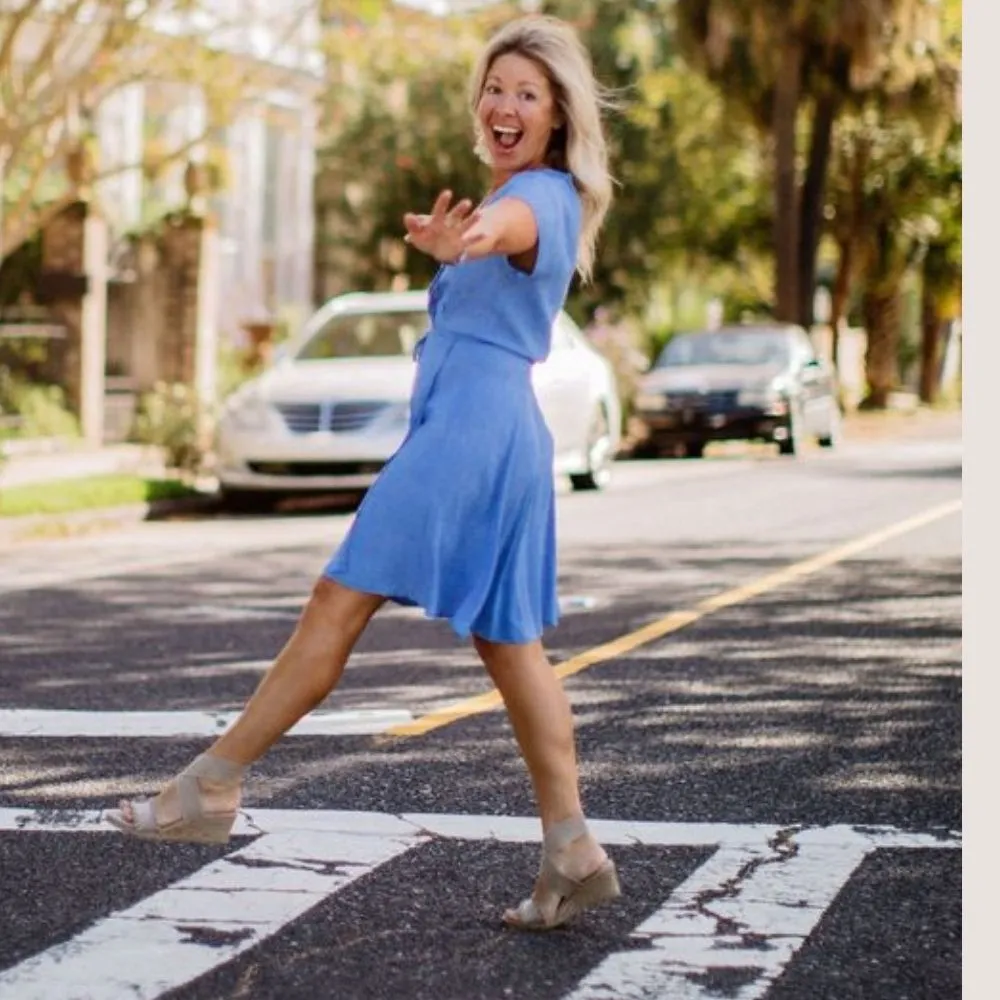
[517, 113]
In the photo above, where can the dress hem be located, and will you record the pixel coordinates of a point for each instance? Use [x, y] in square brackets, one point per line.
[462, 630]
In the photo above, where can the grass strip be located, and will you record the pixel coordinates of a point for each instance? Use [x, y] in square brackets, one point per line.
[64, 496]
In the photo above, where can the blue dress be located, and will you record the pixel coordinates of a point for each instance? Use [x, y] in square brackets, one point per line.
[461, 520]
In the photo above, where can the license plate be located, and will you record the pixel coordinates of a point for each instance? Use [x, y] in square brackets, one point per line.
[717, 420]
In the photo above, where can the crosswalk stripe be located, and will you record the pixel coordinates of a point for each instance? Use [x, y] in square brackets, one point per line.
[58, 723]
[200, 922]
[740, 917]
[744, 912]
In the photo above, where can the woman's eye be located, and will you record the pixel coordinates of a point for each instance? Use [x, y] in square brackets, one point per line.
[529, 96]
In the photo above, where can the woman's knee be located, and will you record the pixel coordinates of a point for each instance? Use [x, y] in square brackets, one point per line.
[332, 606]
[508, 657]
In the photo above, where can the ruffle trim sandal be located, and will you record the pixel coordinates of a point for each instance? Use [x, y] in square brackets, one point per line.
[600, 886]
[196, 824]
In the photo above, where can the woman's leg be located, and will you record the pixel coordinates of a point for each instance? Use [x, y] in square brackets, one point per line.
[540, 715]
[306, 670]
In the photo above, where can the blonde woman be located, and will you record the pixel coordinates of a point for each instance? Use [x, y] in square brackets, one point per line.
[461, 520]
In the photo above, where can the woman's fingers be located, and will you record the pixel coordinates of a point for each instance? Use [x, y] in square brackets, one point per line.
[441, 204]
[445, 230]
[459, 213]
[471, 219]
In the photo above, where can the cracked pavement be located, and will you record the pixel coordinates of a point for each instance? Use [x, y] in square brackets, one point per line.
[778, 781]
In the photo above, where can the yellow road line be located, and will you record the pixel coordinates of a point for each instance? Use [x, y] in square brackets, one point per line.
[490, 700]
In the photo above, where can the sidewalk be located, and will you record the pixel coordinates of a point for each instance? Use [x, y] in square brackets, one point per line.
[26, 463]
[52, 463]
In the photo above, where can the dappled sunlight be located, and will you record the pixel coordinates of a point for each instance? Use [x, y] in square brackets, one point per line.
[866, 777]
[832, 689]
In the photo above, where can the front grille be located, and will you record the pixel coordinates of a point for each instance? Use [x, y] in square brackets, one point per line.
[308, 418]
[723, 399]
[306, 469]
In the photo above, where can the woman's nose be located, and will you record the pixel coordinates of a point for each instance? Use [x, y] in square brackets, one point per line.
[506, 103]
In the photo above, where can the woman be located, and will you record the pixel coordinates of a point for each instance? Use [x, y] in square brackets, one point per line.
[461, 520]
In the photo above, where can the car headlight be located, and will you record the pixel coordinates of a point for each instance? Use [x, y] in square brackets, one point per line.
[247, 414]
[766, 397]
[651, 401]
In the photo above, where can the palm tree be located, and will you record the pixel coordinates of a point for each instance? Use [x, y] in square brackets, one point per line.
[779, 61]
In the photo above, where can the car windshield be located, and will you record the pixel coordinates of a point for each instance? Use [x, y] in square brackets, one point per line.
[726, 347]
[366, 335]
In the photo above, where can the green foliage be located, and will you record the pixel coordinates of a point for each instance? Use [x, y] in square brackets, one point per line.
[31, 410]
[170, 417]
[691, 191]
[691, 188]
[88, 493]
[398, 132]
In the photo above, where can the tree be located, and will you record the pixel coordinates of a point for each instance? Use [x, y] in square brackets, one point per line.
[792, 66]
[896, 201]
[397, 128]
[689, 195]
[60, 59]
[941, 271]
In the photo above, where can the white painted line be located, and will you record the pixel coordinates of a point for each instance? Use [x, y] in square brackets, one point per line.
[51, 723]
[512, 829]
[743, 913]
[200, 922]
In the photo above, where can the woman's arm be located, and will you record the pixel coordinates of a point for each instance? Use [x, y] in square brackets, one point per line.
[507, 228]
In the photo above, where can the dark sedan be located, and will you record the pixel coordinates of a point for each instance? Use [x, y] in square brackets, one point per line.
[738, 383]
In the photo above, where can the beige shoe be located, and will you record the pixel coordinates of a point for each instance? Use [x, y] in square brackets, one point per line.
[196, 824]
[574, 896]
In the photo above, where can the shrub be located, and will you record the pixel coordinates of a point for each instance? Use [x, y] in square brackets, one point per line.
[31, 410]
[171, 417]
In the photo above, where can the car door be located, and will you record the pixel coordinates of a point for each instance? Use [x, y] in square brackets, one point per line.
[816, 387]
[557, 382]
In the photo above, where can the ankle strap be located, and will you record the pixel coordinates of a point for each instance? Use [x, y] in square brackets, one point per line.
[564, 832]
[214, 768]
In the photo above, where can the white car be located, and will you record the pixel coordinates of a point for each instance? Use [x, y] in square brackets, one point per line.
[334, 406]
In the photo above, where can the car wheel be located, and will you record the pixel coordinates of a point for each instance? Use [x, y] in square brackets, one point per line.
[792, 445]
[694, 449]
[834, 426]
[599, 455]
[246, 501]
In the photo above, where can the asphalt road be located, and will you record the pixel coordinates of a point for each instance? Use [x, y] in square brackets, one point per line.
[764, 658]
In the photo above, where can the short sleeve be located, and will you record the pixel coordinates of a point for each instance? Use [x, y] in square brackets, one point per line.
[555, 204]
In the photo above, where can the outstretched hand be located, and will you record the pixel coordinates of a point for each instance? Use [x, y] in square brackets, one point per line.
[446, 234]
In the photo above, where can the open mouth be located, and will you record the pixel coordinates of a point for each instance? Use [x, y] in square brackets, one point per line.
[506, 136]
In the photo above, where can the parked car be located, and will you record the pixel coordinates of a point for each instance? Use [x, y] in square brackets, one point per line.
[334, 406]
[749, 383]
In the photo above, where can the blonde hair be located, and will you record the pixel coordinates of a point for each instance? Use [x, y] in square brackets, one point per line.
[578, 145]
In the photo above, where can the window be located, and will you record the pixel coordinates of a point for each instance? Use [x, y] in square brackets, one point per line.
[366, 335]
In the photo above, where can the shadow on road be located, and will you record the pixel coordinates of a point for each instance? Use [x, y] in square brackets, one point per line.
[837, 701]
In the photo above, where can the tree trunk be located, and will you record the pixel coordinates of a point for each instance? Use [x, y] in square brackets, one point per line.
[813, 201]
[882, 311]
[931, 326]
[840, 295]
[786, 210]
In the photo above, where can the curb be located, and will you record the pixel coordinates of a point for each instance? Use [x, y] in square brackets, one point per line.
[38, 527]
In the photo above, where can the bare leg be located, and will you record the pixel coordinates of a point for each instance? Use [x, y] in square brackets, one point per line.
[304, 673]
[540, 715]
